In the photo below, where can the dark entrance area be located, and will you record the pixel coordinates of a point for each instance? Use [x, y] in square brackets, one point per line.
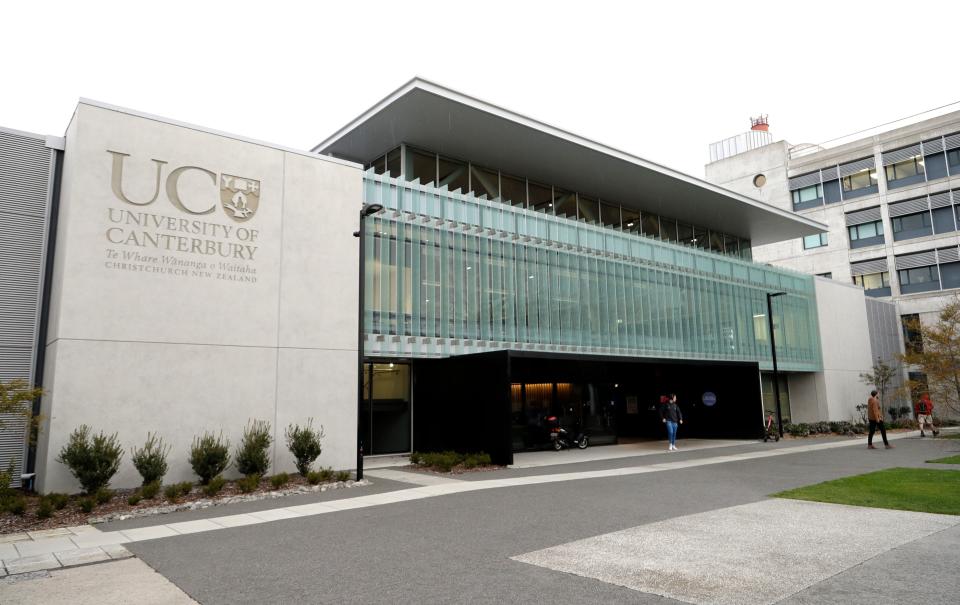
[497, 402]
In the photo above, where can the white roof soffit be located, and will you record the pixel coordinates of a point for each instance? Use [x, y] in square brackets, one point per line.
[423, 114]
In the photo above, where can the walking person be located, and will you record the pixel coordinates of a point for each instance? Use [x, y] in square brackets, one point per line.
[875, 416]
[924, 410]
[672, 416]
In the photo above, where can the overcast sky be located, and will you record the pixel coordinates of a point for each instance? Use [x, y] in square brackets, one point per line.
[660, 80]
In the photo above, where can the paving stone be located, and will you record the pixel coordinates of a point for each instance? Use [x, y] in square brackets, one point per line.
[8, 551]
[116, 551]
[148, 533]
[81, 556]
[236, 520]
[81, 530]
[7, 538]
[49, 533]
[103, 538]
[34, 563]
[276, 514]
[43, 547]
[193, 527]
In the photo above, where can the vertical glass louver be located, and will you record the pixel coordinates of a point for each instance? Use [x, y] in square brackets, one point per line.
[449, 273]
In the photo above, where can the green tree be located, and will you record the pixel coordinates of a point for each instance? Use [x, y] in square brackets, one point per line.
[881, 377]
[17, 397]
[939, 357]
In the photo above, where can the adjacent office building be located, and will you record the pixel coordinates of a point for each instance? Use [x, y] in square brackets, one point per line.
[183, 280]
[891, 202]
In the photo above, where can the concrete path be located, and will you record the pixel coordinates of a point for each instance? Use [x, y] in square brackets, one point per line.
[755, 553]
[611, 452]
[128, 581]
[54, 550]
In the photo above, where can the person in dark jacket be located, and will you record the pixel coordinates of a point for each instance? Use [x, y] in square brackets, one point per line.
[672, 416]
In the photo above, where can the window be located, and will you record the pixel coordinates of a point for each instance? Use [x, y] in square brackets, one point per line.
[904, 169]
[859, 180]
[513, 190]
[828, 275]
[453, 174]
[422, 166]
[919, 279]
[807, 195]
[911, 225]
[912, 337]
[873, 281]
[815, 241]
[953, 157]
[866, 230]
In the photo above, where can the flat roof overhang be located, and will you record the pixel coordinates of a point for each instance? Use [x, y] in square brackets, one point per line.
[423, 114]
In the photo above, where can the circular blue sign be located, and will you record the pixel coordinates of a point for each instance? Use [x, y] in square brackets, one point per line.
[709, 399]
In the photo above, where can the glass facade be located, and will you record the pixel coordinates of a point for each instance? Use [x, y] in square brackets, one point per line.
[451, 273]
[428, 168]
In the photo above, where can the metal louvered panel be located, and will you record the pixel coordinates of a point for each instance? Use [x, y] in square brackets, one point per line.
[899, 155]
[829, 174]
[908, 207]
[25, 177]
[866, 267]
[949, 255]
[932, 146]
[867, 215]
[940, 200]
[855, 167]
[919, 259]
[951, 141]
[24, 173]
[806, 180]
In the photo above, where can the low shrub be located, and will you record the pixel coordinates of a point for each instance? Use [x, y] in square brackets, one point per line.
[59, 501]
[151, 460]
[103, 495]
[326, 473]
[6, 478]
[213, 488]
[17, 505]
[150, 490]
[304, 443]
[800, 429]
[251, 455]
[87, 504]
[819, 428]
[858, 428]
[248, 484]
[172, 492]
[279, 480]
[343, 475]
[416, 458]
[313, 477]
[475, 460]
[134, 499]
[92, 459]
[209, 456]
[185, 488]
[44, 508]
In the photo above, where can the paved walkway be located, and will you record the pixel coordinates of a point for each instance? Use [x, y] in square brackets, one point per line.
[85, 544]
[52, 549]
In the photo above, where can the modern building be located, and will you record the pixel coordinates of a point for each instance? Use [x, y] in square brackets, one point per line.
[194, 280]
[891, 201]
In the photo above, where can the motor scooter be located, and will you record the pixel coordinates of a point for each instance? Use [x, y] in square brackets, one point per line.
[770, 430]
[563, 439]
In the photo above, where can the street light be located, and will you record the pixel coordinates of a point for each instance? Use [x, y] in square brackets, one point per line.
[365, 211]
[773, 353]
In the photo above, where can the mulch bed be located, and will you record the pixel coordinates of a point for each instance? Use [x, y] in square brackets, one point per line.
[72, 515]
[457, 470]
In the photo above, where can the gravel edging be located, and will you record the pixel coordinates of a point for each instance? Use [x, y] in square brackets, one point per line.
[211, 502]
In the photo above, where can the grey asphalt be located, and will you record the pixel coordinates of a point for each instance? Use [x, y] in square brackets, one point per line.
[456, 549]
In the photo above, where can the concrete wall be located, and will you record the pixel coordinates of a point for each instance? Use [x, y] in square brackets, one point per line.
[845, 340]
[171, 313]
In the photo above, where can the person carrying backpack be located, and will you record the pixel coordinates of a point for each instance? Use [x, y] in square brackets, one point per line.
[924, 411]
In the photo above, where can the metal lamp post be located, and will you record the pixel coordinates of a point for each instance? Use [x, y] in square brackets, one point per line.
[365, 211]
[773, 353]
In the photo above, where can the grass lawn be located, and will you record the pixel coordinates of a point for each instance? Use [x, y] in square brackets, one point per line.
[947, 460]
[950, 436]
[922, 490]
